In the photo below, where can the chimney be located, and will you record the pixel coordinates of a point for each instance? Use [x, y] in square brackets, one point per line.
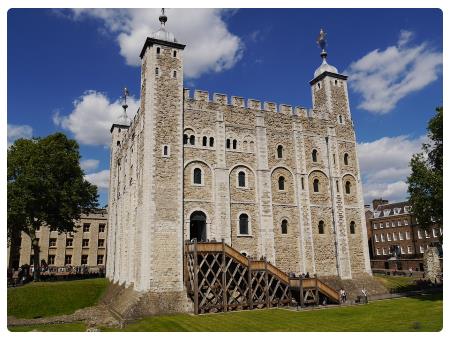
[378, 202]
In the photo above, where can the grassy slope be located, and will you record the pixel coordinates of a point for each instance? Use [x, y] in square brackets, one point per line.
[403, 314]
[46, 299]
[396, 281]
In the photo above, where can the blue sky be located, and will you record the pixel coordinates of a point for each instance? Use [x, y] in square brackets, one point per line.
[66, 70]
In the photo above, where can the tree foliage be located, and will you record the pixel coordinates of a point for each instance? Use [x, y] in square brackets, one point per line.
[46, 186]
[425, 182]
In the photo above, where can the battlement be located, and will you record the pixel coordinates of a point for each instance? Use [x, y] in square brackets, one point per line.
[240, 102]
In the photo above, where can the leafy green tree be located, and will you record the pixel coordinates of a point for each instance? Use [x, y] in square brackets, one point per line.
[425, 183]
[46, 186]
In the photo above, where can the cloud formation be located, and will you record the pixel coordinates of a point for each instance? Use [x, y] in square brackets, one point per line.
[100, 179]
[384, 165]
[89, 164]
[16, 131]
[210, 47]
[92, 117]
[384, 77]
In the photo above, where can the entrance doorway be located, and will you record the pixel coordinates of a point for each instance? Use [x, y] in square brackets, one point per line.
[198, 226]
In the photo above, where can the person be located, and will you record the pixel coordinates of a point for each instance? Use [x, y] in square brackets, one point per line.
[344, 295]
[364, 292]
[410, 271]
[307, 274]
[341, 295]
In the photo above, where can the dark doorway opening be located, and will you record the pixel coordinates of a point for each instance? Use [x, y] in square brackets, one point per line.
[198, 226]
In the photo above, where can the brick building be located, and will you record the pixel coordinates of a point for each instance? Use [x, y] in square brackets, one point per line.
[392, 226]
[85, 246]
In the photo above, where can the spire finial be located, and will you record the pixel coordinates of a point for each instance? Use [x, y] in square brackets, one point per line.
[322, 42]
[126, 93]
[163, 17]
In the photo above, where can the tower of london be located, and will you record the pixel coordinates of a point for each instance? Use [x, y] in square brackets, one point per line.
[270, 180]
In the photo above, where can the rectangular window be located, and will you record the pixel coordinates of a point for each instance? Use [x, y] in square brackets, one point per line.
[409, 249]
[400, 236]
[421, 249]
[375, 226]
[85, 242]
[101, 227]
[427, 235]
[407, 235]
[435, 233]
[394, 236]
[387, 224]
[68, 260]
[384, 251]
[419, 234]
[402, 251]
[51, 260]
[382, 237]
[86, 227]
[376, 238]
[69, 242]
[399, 223]
[101, 243]
[388, 237]
[99, 259]
[52, 242]
[84, 259]
[381, 225]
[378, 251]
[405, 222]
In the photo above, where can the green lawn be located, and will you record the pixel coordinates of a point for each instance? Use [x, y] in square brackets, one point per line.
[45, 299]
[397, 282]
[70, 327]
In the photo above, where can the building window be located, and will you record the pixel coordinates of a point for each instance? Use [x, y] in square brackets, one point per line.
[211, 141]
[234, 144]
[394, 236]
[321, 227]
[68, 260]
[284, 224]
[381, 225]
[393, 224]
[85, 242]
[99, 259]
[352, 227]
[435, 233]
[192, 140]
[400, 236]
[185, 139]
[86, 227]
[347, 187]
[405, 222]
[316, 185]
[421, 249]
[241, 179]
[243, 224]
[166, 151]
[228, 143]
[387, 224]
[101, 243]
[101, 227]
[409, 249]
[427, 235]
[281, 181]
[174, 74]
[402, 251]
[378, 251]
[346, 159]
[84, 259]
[51, 260]
[340, 119]
[205, 141]
[337, 186]
[197, 176]
[303, 183]
[69, 242]
[174, 53]
[156, 71]
[382, 238]
[375, 226]
[158, 50]
[280, 151]
[52, 242]
[399, 223]
[388, 236]
[407, 235]
[376, 238]
[314, 155]
[419, 234]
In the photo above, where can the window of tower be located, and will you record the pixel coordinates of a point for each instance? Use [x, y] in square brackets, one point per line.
[314, 155]
[158, 50]
[284, 226]
[211, 141]
[241, 179]
[316, 185]
[243, 224]
[234, 144]
[174, 74]
[335, 82]
[346, 159]
[340, 119]
[321, 227]
[337, 186]
[118, 143]
[352, 227]
[156, 71]
[205, 141]
[166, 151]
[174, 53]
[185, 139]
[192, 140]
[228, 143]
[197, 176]
[281, 181]
[347, 187]
[280, 151]
[303, 183]
[318, 85]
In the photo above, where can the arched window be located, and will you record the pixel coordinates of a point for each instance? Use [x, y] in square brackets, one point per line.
[281, 181]
[284, 225]
[316, 185]
[228, 143]
[211, 141]
[174, 53]
[158, 50]
[337, 186]
[243, 224]
[166, 150]
[241, 179]
[174, 74]
[245, 145]
[347, 187]
[197, 176]
[280, 151]
[156, 71]
[340, 119]
[192, 140]
[346, 159]
[321, 227]
[205, 141]
[314, 155]
[185, 139]
[234, 144]
[352, 227]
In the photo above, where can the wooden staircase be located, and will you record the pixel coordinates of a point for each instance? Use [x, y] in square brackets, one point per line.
[219, 278]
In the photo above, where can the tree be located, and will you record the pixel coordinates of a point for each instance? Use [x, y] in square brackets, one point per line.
[46, 186]
[425, 182]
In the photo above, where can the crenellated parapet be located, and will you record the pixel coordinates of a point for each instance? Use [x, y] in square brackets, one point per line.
[200, 97]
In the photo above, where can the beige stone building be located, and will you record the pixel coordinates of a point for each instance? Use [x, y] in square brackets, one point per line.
[270, 179]
[85, 246]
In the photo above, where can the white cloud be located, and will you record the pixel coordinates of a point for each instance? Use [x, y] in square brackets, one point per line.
[89, 164]
[100, 179]
[384, 77]
[16, 131]
[210, 47]
[92, 117]
[385, 166]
